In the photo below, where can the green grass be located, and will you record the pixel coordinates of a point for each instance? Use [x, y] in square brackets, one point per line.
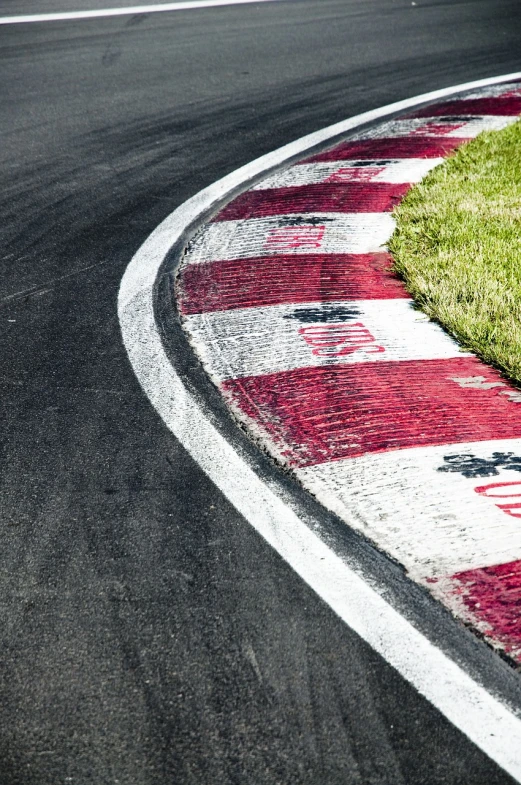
[458, 246]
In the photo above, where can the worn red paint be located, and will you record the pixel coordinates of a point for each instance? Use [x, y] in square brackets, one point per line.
[399, 147]
[322, 414]
[316, 198]
[269, 280]
[503, 106]
[492, 596]
[516, 92]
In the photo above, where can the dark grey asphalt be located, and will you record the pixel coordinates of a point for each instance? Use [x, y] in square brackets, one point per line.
[148, 635]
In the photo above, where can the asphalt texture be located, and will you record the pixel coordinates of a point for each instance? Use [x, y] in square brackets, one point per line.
[149, 635]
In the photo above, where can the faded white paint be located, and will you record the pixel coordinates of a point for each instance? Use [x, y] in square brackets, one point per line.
[256, 341]
[493, 91]
[404, 170]
[319, 233]
[433, 522]
[427, 127]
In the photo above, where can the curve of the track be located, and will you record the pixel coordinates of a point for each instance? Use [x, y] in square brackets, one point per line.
[149, 635]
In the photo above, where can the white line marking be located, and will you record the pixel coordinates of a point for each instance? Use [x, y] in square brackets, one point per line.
[128, 10]
[487, 721]
[493, 91]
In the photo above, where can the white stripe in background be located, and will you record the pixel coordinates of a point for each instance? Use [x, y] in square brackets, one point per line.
[437, 126]
[404, 170]
[488, 722]
[304, 233]
[132, 10]
[256, 341]
[434, 522]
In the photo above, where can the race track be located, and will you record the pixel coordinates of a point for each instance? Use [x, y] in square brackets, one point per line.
[149, 634]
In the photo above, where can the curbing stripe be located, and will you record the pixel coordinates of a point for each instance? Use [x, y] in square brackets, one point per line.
[401, 147]
[316, 198]
[284, 279]
[374, 171]
[488, 598]
[421, 508]
[293, 233]
[239, 343]
[433, 126]
[312, 415]
[500, 105]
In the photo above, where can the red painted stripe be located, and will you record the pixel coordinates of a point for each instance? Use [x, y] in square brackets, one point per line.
[493, 597]
[245, 283]
[399, 147]
[509, 106]
[316, 198]
[316, 415]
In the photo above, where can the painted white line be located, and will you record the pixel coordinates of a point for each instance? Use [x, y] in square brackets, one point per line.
[132, 10]
[303, 233]
[255, 341]
[487, 721]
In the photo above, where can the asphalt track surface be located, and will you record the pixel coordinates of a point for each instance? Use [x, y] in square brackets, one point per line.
[149, 635]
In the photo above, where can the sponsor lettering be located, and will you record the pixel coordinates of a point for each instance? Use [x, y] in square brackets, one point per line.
[301, 236]
[339, 340]
[505, 495]
[508, 492]
[355, 174]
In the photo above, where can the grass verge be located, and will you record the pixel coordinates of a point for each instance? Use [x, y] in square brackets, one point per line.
[458, 246]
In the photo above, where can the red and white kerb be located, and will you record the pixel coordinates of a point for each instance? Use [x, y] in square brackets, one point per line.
[289, 299]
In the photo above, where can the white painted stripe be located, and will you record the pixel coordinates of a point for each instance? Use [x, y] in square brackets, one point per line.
[64, 16]
[432, 522]
[493, 91]
[256, 341]
[488, 723]
[404, 170]
[316, 233]
[429, 126]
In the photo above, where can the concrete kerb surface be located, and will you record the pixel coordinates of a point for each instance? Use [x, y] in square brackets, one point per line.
[287, 297]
